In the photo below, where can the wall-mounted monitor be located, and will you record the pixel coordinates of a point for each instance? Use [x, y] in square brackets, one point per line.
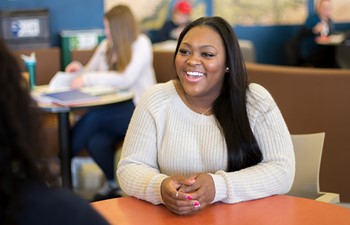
[25, 29]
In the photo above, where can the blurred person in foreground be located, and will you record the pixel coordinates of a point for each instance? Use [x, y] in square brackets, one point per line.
[25, 194]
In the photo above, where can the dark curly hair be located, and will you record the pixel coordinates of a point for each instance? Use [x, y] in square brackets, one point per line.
[22, 156]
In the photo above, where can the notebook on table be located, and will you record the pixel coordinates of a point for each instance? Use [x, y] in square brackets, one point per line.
[71, 97]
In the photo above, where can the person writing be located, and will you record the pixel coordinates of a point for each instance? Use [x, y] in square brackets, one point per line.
[318, 26]
[209, 135]
[123, 60]
[172, 28]
[26, 192]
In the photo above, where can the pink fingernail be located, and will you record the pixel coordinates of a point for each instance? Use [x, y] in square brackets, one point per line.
[196, 204]
[189, 197]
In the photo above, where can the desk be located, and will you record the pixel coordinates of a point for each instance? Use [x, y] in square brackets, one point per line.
[333, 39]
[64, 125]
[336, 45]
[279, 210]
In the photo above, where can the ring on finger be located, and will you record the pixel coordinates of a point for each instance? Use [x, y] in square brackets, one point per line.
[177, 194]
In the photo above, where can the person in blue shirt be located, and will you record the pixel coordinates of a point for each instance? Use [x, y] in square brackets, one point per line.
[318, 25]
[27, 195]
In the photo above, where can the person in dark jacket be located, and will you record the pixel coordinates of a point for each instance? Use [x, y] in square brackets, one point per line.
[318, 25]
[172, 28]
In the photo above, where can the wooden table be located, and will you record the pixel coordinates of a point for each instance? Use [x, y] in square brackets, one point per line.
[279, 210]
[333, 39]
[64, 123]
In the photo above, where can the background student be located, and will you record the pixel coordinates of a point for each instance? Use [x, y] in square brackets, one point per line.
[209, 135]
[318, 25]
[25, 194]
[123, 60]
[172, 27]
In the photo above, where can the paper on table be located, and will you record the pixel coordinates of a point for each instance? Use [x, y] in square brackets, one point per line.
[337, 38]
[61, 81]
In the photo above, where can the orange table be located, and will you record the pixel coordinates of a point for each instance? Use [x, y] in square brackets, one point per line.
[279, 210]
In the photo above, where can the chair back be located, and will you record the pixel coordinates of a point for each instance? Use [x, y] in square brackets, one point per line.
[163, 65]
[292, 47]
[343, 54]
[83, 56]
[308, 153]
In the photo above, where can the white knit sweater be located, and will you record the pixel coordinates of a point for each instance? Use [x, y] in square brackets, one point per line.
[165, 138]
[137, 76]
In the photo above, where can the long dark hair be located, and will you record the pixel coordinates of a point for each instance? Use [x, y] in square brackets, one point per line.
[230, 107]
[21, 154]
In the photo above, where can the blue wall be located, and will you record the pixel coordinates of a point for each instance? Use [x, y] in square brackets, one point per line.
[269, 41]
[87, 14]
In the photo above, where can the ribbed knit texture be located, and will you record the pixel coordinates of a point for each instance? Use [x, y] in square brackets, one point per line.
[165, 138]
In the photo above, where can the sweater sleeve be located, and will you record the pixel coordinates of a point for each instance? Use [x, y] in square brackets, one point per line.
[97, 58]
[312, 21]
[142, 57]
[138, 171]
[142, 167]
[275, 174]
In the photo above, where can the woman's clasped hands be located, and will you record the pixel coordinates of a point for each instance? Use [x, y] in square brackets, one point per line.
[186, 195]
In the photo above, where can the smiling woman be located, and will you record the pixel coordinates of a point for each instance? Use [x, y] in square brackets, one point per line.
[208, 136]
[200, 65]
